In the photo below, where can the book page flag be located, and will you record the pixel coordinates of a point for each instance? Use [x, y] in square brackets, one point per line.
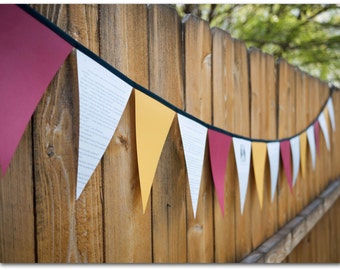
[303, 152]
[323, 125]
[331, 112]
[194, 137]
[273, 149]
[259, 152]
[153, 122]
[242, 150]
[219, 145]
[286, 160]
[311, 142]
[317, 136]
[31, 54]
[102, 99]
[295, 148]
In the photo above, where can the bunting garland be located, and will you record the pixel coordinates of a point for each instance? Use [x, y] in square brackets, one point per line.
[103, 95]
[26, 60]
[323, 125]
[295, 147]
[273, 149]
[102, 100]
[303, 150]
[311, 142]
[259, 151]
[193, 138]
[153, 121]
[242, 150]
[219, 145]
[286, 161]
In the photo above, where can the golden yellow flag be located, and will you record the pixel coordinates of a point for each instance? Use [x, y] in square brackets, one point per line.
[153, 121]
[259, 151]
[303, 149]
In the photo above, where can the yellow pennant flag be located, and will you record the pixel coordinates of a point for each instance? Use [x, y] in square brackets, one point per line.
[303, 149]
[326, 114]
[153, 122]
[259, 151]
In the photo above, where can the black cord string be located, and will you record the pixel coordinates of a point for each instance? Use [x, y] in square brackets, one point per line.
[135, 85]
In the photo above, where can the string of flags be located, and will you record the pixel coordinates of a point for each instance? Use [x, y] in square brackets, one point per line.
[103, 95]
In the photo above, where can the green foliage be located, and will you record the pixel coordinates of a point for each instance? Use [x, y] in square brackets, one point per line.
[306, 35]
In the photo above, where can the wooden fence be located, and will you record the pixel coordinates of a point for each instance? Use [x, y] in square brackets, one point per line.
[208, 74]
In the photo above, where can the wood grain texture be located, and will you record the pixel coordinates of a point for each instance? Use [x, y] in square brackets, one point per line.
[89, 207]
[286, 128]
[123, 44]
[168, 192]
[17, 220]
[223, 115]
[335, 135]
[55, 150]
[241, 126]
[310, 223]
[197, 42]
[263, 125]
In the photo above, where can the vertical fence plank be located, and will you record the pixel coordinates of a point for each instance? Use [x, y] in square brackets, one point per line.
[325, 154]
[323, 177]
[55, 137]
[300, 124]
[168, 192]
[263, 125]
[335, 135]
[17, 239]
[223, 115]
[301, 186]
[286, 128]
[89, 209]
[335, 211]
[313, 104]
[123, 40]
[197, 40]
[242, 127]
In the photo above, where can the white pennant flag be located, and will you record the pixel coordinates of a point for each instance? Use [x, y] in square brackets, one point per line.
[331, 112]
[323, 125]
[273, 149]
[295, 147]
[194, 140]
[311, 142]
[242, 150]
[102, 99]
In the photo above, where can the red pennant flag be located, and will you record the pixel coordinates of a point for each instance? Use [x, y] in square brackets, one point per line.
[219, 145]
[317, 135]
[286, 160]
[30, 54]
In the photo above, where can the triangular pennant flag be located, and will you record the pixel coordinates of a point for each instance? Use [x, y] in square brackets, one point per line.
[295, 148]
[30, 54]
[303, 152]
[273, 149]
[311, 142]
[286, 160]
[317, 136]
[102, 99]
[194, 137]
[219, 145]
[323, 125]
[153, 121]
[259, 151]
[242, 150]
[331, 112]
